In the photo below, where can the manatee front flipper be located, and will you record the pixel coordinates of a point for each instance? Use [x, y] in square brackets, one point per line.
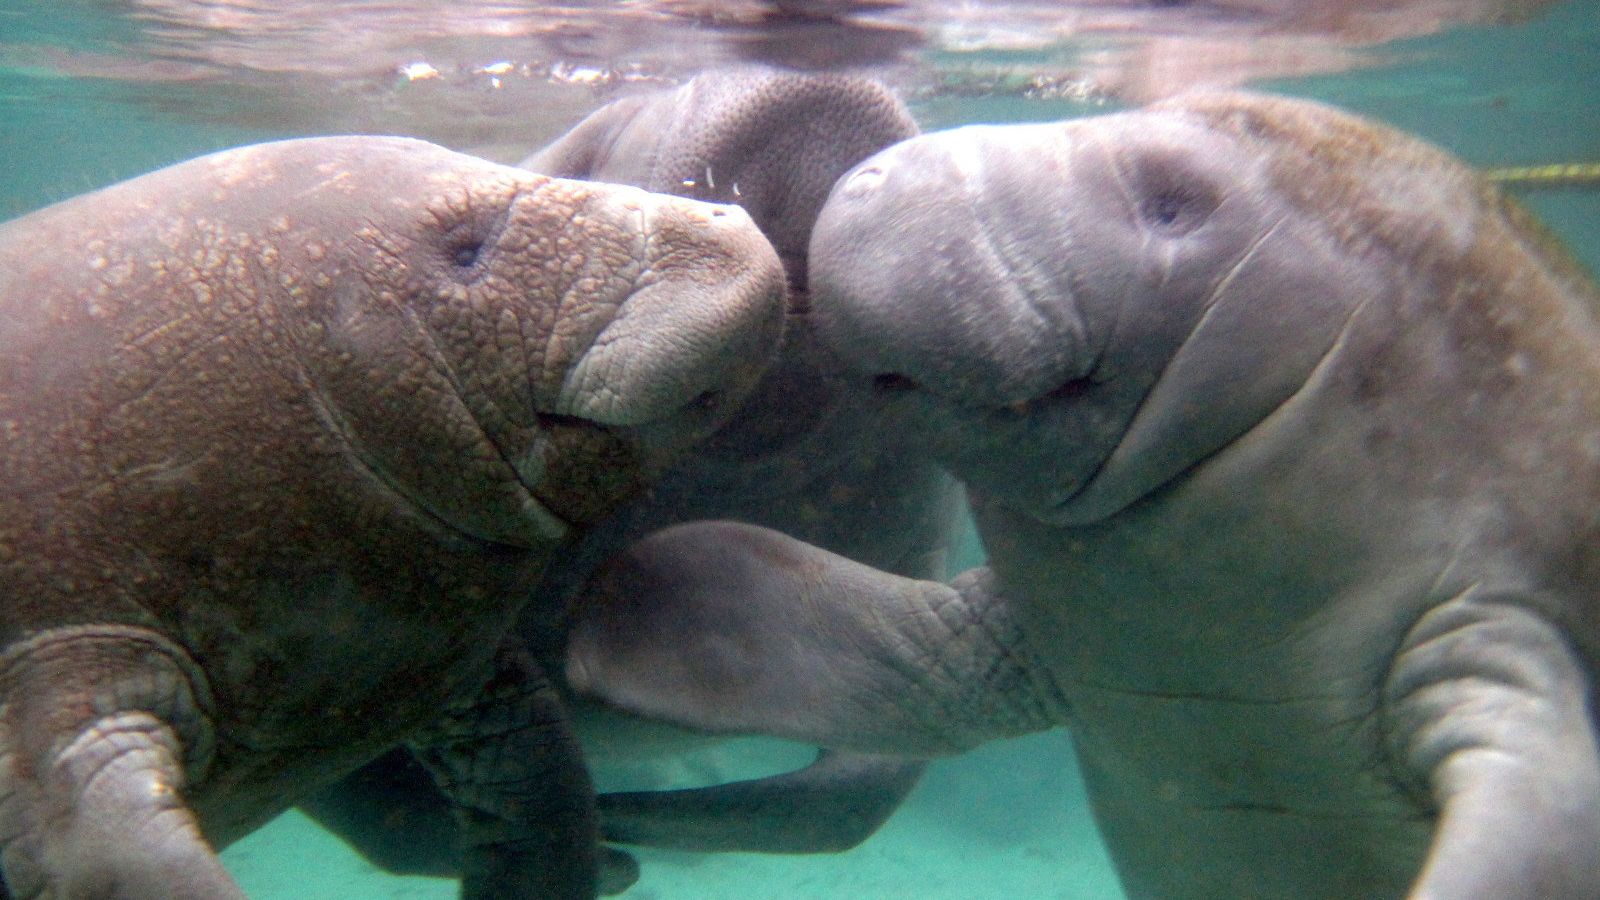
[100, 729]
[515, 777]
[829, 806]
[732, 628]
[1488, 705]
[393, 813]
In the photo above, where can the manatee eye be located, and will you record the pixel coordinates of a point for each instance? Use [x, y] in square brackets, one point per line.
[1067, 391]
[1163, 208]
[1173, 199]
[1177, 208]
[466, 254]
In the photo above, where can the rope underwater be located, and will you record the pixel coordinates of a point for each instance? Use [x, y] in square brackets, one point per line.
[1584, 175]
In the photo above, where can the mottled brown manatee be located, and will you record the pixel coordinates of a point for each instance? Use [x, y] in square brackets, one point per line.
[1283, 432]
[802, 455]
[290, 433]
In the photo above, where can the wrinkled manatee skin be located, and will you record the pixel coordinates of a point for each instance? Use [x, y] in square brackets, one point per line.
[1281, 433]
[800, 455]
[290, 433]
[1291, 490]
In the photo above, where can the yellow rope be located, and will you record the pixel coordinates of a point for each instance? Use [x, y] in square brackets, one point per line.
[1565, 175]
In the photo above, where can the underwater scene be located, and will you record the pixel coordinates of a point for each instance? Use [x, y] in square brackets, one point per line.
[1180, 486]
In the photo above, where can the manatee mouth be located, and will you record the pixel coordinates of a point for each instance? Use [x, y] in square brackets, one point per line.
[588, 470]
[993, 446]
[889, 384]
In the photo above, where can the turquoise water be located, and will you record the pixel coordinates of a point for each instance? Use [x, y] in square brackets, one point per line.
[95, 92]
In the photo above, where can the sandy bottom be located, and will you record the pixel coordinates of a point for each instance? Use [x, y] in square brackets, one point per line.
[1007, 820]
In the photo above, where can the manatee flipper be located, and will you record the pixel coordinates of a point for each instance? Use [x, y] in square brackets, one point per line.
[514, 775]
[731, 628]
[393, 813]
[1488, 706]
[100, 729]
[829, 806]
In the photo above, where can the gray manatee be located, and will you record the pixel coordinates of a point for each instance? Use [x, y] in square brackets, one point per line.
[801, 455]
[1282, 430]
[290, 433]
[772, 141]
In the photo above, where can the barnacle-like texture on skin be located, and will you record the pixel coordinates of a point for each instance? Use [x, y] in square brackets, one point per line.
[1375, 188]
[298, 411]
[670, 345]
[783, 135]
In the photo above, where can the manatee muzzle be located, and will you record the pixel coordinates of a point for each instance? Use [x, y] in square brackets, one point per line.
[587, 469]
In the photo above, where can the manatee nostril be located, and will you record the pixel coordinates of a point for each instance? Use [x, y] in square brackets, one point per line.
[864, 179]
[893, 383]
[466, 254]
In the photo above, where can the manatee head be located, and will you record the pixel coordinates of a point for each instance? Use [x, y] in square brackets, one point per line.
[771, 141]
[511, 352]
[1071, 314]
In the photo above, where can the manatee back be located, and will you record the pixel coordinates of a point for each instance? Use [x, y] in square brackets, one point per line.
[1382, 191]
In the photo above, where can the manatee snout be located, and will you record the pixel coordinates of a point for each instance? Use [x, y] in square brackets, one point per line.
[939, 263]
[701, 322]
[945, 278]
[1028, 288]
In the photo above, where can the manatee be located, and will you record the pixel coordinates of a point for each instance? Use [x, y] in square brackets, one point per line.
[290, 433]
[802, 455]
[1282, 434]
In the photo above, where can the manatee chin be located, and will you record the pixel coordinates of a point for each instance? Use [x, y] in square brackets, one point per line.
[1039, 457]
[581, 470]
